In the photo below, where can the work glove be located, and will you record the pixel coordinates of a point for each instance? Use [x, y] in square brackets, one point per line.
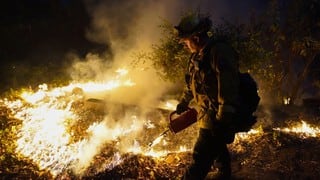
[182, 107]
[225, 118]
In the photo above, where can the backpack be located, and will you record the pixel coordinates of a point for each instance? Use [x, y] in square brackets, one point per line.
[249, 100]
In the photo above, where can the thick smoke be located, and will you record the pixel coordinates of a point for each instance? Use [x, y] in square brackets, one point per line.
[127, 28]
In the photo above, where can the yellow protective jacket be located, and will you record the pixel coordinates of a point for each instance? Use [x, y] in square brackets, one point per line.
[212, 81]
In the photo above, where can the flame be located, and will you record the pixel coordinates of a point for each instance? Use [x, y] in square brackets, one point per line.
[168, 105]
[122, 71]
[247, 135]
[47, 114]
[43, 137]
[286, 100]
[304, 130]
[156, 141]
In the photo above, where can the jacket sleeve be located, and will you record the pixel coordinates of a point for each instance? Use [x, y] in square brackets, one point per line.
[187, 95]
[225, 62]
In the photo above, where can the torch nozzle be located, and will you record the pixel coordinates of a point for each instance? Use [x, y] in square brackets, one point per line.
[158, 139]
[164, 132]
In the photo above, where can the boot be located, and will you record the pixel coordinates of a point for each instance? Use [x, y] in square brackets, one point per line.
[222, 167]
[219, 174]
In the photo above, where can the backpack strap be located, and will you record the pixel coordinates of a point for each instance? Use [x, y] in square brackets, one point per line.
[206, 65]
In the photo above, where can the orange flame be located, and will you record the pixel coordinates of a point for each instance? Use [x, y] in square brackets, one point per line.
[304, 130]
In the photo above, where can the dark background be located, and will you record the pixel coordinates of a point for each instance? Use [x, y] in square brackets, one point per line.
[36, 35]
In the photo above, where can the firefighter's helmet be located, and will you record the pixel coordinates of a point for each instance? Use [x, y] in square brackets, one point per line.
[192, 24]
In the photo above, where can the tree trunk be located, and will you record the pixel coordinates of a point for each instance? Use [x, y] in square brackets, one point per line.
[301, 78]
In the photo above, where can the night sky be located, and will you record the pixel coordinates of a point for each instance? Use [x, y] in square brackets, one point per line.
[56, 26]
[36, 29]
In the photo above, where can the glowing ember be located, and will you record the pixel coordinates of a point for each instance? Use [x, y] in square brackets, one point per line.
[286, 101]
[247, 135]
[304, 130]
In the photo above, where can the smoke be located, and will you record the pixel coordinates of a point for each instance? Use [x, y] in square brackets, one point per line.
[109, 130]
[128, 27]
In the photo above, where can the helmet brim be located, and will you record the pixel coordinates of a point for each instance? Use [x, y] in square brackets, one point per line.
[182, 35]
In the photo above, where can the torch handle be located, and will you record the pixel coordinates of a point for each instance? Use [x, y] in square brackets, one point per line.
[174, 112]
[182, 121]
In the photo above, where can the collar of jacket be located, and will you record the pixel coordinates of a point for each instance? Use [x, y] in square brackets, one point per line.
[206, 47]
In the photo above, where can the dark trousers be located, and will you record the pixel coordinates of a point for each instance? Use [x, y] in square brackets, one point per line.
[208, 148]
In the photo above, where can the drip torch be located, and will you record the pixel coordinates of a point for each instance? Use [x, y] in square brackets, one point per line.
[177, 123]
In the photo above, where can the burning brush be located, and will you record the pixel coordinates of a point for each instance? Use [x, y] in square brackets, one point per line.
[60, 133]
[177, 124]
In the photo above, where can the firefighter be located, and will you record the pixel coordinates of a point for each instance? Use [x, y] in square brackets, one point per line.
[212, 83]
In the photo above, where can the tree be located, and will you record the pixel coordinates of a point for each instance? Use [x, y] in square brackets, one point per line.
[170, 57]
[302, 29]
[291, 31]
[287, 36]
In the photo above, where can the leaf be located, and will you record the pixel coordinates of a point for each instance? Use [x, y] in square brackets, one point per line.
[303, 52]
[282, 37]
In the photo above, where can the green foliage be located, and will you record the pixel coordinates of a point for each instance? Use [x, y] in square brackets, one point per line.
[301, 30]
[275, 45]
[305, 47]
[169, 56]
